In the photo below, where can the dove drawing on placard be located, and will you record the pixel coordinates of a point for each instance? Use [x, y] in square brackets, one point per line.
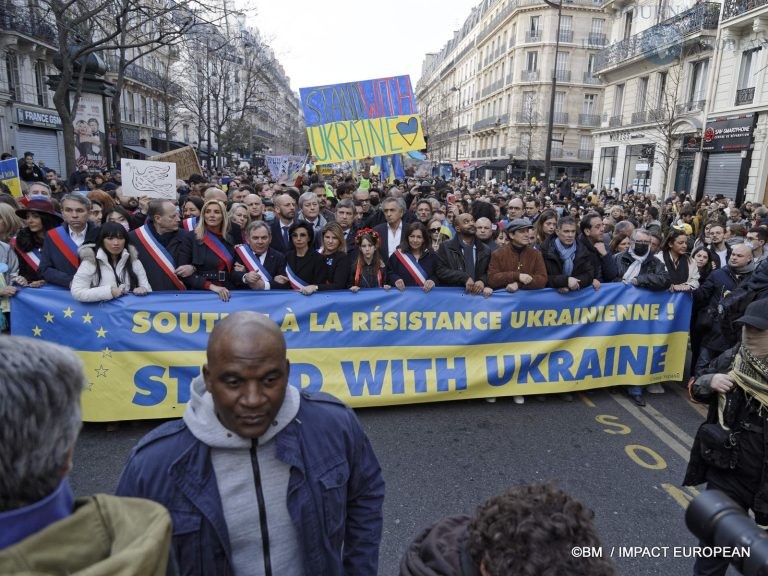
[151, 180]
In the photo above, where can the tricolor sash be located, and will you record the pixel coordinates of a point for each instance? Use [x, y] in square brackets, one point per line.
[413, 267]
[60, 237]
[252, 262]
[296, 282]
[32, 258]
[159, 254]
[189, 223]
[219, 248]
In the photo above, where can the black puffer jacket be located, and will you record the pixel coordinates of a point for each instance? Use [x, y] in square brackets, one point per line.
[653, 274]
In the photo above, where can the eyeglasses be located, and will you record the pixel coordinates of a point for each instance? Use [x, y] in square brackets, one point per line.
[433, 230]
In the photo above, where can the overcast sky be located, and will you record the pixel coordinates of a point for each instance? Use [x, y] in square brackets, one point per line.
[335, 41]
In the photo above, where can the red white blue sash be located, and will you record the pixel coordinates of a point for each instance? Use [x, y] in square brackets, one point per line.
[252, 262]
[189, 223]
[32, 257]
[159, 254]
[412, 265]
[219, 248]
[60, 237]
[296, 282]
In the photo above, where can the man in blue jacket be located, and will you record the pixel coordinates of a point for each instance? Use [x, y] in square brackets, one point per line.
[259, 477]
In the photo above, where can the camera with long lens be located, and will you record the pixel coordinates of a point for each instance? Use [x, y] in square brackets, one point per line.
[717, 520]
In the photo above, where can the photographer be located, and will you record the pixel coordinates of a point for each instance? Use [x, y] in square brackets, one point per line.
[729, 452]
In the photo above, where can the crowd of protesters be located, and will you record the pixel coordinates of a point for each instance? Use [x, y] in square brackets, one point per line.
[244, 231]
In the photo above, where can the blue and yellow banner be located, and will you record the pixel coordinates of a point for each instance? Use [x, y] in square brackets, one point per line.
[361, 119]
[372, 348]
[9, 175]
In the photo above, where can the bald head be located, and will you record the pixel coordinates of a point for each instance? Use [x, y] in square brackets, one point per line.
[242, 326]
[215, 194]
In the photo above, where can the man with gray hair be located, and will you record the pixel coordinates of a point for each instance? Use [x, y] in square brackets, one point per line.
[59, 259]
[256, 264]
[45, 529]
[391, 230]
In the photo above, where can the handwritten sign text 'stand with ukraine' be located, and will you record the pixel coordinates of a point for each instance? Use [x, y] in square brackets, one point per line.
[372, 348]
[361, 119]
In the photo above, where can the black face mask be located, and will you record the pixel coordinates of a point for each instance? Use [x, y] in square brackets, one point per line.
[641, 249]
[375, 201]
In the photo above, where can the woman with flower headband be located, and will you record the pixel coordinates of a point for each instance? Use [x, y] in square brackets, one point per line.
[413, 262]
[304, 267]
[212, 254]
[368, 269]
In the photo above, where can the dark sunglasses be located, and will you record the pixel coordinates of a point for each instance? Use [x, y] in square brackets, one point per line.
[433, 230]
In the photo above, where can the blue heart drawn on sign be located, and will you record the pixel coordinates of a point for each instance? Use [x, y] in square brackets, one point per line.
[410, 128]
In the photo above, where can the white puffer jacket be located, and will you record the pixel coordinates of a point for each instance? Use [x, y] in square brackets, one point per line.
[84, 285]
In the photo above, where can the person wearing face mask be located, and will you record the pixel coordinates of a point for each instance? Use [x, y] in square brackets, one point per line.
[711, 296]
[637, 267]
[729, 451]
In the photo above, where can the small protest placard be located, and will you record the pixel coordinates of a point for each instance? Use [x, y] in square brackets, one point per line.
[9, 175]
[149, 178]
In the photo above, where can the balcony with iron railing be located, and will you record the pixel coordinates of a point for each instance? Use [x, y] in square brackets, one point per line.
[533, 36]
[614, 121]
[654, 40]
[557, 151]
[27, 22]
[589, 120]
[527, 118]
[560, 118]
[487, 124]
[640, 117]
[590, 78]
[596, 40]
[585, 154]
[734, 8]
[744, 96]
[691, 106]
[529, 75]
[565, 35]
[563, 75]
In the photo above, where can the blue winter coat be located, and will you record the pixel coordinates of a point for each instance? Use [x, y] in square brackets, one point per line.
[335, 491]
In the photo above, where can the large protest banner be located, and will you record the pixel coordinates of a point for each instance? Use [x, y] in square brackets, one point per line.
[372, 348]
[360, 119]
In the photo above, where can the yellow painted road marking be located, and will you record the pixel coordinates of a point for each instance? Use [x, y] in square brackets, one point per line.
[683, 436]
[680, 495]
[586, 400]
[634, 451]
[654, 428]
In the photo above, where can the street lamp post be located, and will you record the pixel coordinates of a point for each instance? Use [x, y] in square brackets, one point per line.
[455, 89]
[550, 123]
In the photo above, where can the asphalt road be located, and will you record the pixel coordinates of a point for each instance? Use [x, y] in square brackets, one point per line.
[624, 462]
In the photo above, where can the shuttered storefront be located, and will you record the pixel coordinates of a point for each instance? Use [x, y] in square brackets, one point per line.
[44, 143]
[723, 175]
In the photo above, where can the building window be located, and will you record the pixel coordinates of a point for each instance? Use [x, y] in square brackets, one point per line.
[628, 17]
[597, 25]
[745, 89]
[698, 86]
[661, 90]
[532, 62]
[12, 73]
[40, 86]
[642, 94]
[618, 100]
[185, 131]
[589, 106]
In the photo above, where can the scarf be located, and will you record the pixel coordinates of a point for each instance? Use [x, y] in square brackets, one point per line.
[677, 272]
[567, 255]
[634, 269]
[750, 373]
[746, 269]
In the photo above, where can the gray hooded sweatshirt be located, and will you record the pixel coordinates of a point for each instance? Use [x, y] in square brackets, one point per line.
[231, 459]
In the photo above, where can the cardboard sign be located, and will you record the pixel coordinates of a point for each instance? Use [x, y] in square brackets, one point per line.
[149, 178]
[185, 160]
